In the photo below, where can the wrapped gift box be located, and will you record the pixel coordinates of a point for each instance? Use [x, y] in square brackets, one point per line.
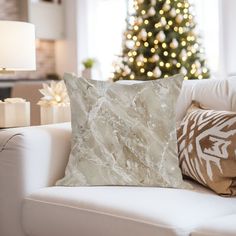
[55, 114]
[14, 114]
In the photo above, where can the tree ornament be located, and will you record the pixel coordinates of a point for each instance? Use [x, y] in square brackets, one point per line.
[172, 12]
[140, 58]
[157, 72]
[130, 44]
[140, 1]
[153, 2]
[163, 21]
[179, 18]
[161, 36]
[183, 53]
[154, 58]
[127, 70]
[139, 21]
[183, 70]
[198, 64]
[166, 7]
[174, 44]
[151, 11]
[143, 34]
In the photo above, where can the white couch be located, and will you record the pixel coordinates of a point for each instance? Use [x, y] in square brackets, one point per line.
[33, 158]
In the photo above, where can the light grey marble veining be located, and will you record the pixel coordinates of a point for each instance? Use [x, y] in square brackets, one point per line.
[123, 134]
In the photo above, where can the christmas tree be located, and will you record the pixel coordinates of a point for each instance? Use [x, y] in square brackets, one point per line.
[161, 41]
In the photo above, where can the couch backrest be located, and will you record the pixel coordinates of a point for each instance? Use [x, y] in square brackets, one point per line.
[213, 93]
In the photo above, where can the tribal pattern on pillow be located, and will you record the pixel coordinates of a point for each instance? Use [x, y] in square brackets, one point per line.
[207, 148]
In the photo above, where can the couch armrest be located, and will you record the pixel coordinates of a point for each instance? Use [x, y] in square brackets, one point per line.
[30, 158]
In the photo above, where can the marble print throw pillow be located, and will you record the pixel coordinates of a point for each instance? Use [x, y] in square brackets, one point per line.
[207, 144]
[123, 134]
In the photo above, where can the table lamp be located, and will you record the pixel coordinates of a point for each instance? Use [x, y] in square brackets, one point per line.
[17, 46]
[17, 53]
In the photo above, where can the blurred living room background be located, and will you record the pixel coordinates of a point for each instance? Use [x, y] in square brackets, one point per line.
[71, 31]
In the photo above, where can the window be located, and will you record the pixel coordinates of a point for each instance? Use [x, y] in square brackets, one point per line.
[106, 24]
[207, 18]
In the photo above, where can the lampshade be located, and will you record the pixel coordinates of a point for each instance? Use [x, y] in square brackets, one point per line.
[17, 46]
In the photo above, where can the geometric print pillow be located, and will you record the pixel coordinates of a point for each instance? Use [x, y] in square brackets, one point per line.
[207, 148]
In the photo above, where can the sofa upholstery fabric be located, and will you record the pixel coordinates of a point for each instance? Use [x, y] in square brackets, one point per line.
[121, 211]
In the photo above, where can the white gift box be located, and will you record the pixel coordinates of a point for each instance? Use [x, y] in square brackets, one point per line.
[55, 114]
[14, 114]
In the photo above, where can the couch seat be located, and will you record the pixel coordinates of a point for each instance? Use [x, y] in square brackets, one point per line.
[222, 226]
[120, 211]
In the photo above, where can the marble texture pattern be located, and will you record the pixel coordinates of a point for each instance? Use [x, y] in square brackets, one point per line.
[123, 134]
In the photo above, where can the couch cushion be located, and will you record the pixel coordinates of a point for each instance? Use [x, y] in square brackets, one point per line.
[222, 226]
[207, 143]
[132, 211]
[212, 93]
[122, 134]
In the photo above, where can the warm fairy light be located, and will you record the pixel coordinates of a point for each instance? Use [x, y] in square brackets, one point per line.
[161, 63]
[177, 11]
[150, 74]
[176, 28]
[145, 59]
[146, 44]
[166, 53]
[136, 27]
[185, 10]
[149, 34]
[187, 24]
[164, 45]
[153, 50]
[186, 5]
[183, 43]
[132, 76]
[178, 65]
[170, 22]
[185, 77]
[181, 30]
[139, 63]
[138, 44]
[193, 71]
[179, 4]
[185, 16]
[135, 38]
[129, 36]
[157, 25]
[130, 54]
[161, 12]
[146, 22]
[131, 59]
[135, 53]
[143, 12]
[190, 17]
[204, 70]
[173, 54]
[200, 77]
[189, 54]
[166, 76]
[167, 27]
[142, 70]
[167, 65]
[155, 41]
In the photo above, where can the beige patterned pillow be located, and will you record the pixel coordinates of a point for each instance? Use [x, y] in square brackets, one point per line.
[123, 134]
[207, 148]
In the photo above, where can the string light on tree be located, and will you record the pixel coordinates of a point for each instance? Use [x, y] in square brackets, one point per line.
[160, 41]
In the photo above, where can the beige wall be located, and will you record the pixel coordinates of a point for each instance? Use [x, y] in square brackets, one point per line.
[45, 50]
